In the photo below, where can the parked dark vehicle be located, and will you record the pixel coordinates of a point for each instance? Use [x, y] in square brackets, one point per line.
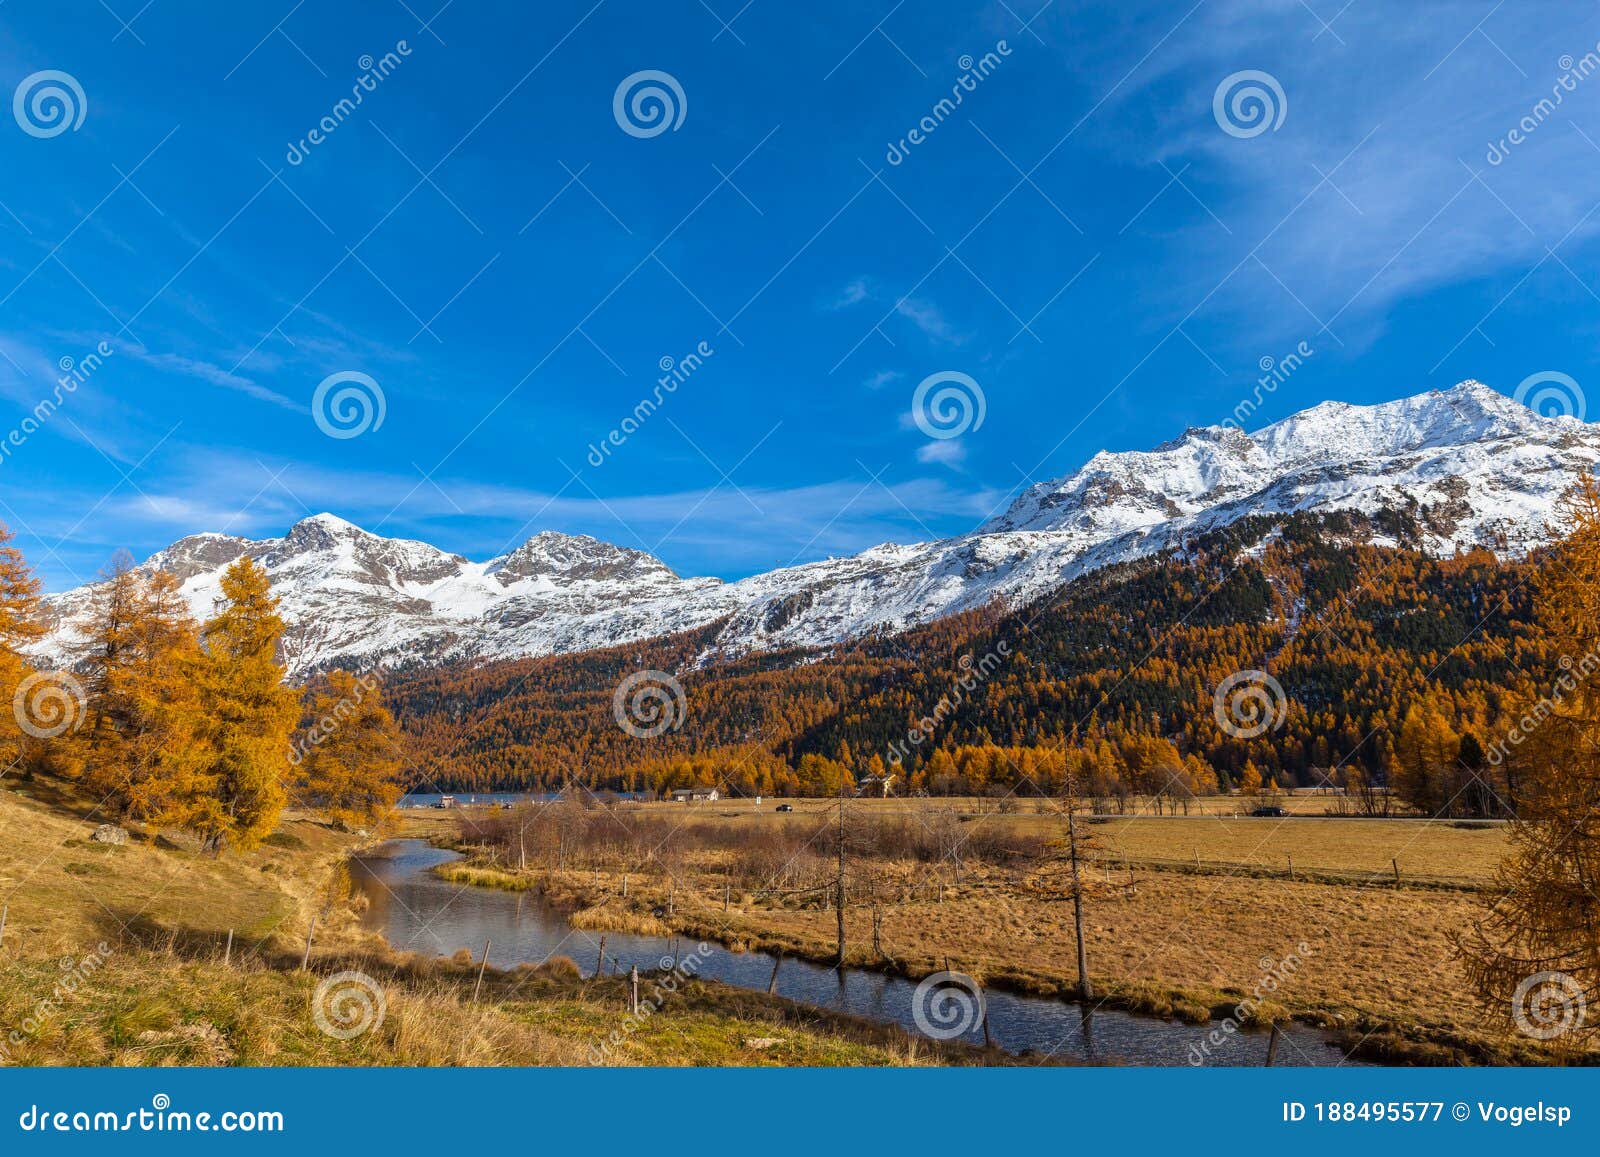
[1270, 812]
[786, 807]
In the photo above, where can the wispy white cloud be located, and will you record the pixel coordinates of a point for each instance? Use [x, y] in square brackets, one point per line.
[927, 317]
[922, 312]
[948, 452]
[217, 376]
[1377, 187]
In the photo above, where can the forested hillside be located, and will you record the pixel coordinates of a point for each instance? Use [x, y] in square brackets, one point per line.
[1392, 664]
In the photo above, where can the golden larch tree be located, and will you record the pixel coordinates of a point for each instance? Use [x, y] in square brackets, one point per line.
[250, 715]
[1535, 957]
[348, 756]
[20, 624]
[144, 745]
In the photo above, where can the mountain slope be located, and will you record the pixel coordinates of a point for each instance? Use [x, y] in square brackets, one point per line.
[1352, 634]
[1444, 470]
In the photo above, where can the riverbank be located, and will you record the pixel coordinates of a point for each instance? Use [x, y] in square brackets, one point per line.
[1356, 954]
[121, 954]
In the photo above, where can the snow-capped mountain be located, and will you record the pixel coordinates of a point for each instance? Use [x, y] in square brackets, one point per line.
[1488, 468]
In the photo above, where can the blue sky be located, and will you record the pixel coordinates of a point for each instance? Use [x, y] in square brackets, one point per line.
[484, 241]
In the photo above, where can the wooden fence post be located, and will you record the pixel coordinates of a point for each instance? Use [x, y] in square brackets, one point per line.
[1272, 1046]
[633, 978]
[305, 960]
[5, 910]
[1395, 863]
[227, 953]
[772, 985]
[482, 964]
[600, 965]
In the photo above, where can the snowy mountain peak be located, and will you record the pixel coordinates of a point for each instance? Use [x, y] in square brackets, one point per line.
[574, 557]
[1212, 465]
[1476, 467]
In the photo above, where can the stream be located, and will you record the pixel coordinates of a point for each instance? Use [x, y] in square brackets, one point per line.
[418, 912]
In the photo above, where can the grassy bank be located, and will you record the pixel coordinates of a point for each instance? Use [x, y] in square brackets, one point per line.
[119, 954]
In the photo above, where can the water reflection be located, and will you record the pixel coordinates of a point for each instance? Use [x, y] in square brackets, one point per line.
[419, 912]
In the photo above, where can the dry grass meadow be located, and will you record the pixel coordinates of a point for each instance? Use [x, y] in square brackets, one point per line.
[1184, 915]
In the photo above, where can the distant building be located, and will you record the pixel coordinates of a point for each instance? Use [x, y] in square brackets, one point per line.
[875, 786]
[696, 795]
[446, 801]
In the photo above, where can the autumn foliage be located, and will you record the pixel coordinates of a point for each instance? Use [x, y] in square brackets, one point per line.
[192, 726]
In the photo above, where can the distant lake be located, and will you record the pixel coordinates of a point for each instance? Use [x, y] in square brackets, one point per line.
[487, 798]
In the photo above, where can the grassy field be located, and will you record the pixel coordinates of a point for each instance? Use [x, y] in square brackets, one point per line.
[115, 955]
[1374, 957]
